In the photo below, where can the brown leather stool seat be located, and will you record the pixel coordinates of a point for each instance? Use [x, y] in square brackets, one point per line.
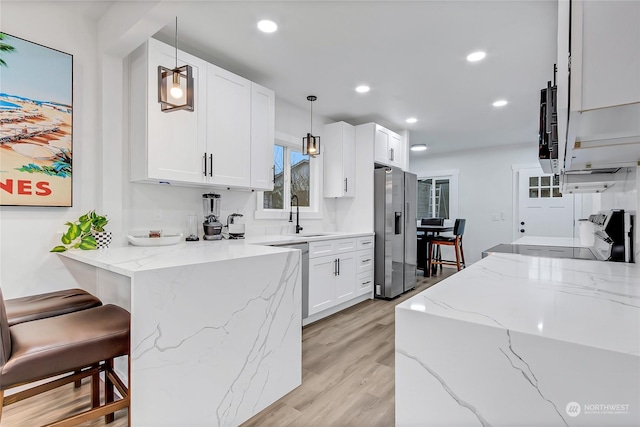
[79, 344]
[41, 306]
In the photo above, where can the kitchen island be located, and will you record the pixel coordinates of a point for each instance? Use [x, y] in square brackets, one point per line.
[215, 326]
[521, 340]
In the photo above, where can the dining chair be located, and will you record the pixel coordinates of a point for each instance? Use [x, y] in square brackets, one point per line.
[59, 350]
[455, 241]
[423, 244]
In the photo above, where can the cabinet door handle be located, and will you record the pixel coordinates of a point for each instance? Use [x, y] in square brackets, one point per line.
[338, 266]
[391, 154]
[210, 164]
[366, 260]
[204, 160]
[335, 267]
[274, 173]
[346, 184]
[366, 243]
[367, 282]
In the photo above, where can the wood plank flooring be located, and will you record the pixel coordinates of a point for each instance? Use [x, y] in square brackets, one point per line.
[347, 376]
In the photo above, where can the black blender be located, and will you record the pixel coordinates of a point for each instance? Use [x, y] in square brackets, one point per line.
[211, 208]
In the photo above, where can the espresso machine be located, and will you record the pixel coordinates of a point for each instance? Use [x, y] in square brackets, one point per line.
[211, 208]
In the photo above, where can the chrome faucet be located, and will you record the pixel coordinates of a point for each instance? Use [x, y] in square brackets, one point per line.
[298, 228]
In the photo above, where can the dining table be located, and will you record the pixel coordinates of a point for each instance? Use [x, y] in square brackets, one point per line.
[431, 230]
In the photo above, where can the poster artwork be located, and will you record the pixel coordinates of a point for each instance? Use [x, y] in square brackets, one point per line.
[36, 119]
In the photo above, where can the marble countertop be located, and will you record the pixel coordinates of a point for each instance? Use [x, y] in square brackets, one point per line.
[591, 303]
[127, 260]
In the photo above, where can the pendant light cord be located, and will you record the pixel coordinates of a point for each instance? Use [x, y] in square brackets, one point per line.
[176, 42]
[311, 117]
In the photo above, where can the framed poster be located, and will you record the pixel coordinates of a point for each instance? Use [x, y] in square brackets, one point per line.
[36, 122]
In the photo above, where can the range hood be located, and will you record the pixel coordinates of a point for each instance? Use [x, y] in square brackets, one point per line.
[606, 137]
[594, 180]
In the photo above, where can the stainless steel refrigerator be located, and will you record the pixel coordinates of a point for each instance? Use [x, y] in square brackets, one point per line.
[395, 197]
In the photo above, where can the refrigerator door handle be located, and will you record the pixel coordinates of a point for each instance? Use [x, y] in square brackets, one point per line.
[398, 223]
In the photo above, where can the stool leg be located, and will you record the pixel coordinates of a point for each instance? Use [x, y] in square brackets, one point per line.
[95, 390]
[1, 402]
[427, 270]
[77, 384]
[457, 256]
[464, 264]
[108, 391]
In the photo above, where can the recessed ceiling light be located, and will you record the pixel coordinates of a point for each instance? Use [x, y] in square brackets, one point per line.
[267, 26]
[476, 56]
[363, 89]
[411, 120]
[418, 147]
[500, 103]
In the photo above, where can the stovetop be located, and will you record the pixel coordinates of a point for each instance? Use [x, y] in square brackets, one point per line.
[542, 251]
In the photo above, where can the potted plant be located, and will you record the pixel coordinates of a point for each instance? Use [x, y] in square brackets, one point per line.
[86, 233]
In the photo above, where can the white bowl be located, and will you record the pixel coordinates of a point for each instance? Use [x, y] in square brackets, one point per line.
[165, 240]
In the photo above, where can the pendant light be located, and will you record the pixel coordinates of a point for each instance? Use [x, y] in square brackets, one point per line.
[175, 86]
[310, 143]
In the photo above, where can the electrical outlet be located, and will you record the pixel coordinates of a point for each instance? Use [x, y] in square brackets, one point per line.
[157, 215]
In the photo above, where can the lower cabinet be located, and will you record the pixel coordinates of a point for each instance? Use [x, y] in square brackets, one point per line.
[338, 273]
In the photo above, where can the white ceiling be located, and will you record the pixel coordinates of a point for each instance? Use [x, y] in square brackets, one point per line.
[411, 53]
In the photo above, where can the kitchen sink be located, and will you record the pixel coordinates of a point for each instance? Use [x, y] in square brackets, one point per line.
[304, 235]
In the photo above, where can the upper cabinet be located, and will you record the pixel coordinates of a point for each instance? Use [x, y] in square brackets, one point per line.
[226, 142]
[598, 83]
[389, 149]
[339, 153]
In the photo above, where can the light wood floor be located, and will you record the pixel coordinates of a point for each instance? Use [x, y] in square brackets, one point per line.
[347, 376]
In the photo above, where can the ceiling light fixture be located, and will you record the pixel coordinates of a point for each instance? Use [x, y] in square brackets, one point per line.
[175, 86]
[363, 89]
[310, 143]
[500, 103]
[476, 56]
[418, 147]
[411, 120]
[267, 26]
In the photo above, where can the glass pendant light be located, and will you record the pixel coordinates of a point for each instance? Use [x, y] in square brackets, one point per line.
[175, 86]
[310, 143]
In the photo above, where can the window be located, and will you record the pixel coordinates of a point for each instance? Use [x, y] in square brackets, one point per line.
[543, 187]
[293, 174]
[296, 175]
[438, 196]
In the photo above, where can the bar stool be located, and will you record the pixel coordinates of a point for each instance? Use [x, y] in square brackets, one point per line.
[424, 243]
[455, 241]
[41, 306]
[76, 345]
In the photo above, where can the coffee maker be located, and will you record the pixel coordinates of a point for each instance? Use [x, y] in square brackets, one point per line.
[211, 208]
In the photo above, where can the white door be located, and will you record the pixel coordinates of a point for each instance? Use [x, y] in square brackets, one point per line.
[542, 209]
[346, 278]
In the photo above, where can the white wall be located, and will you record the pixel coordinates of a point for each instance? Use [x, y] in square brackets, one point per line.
[484, 188]
[28, 233]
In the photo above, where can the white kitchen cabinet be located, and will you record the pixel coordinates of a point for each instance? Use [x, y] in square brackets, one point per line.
[165, 146]
[226, 142]
[364, 265]
[262, 137]
[228, 128]
[389, 149]
[598, 84]
[322, 272]
[339, 153]
[332, 273]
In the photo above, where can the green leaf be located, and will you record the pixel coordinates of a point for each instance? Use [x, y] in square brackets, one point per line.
[85, 225]
[74, 231]
[65, 239]
[88, 243]
[58, 249]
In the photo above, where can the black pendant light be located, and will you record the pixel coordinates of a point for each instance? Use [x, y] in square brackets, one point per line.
[310, 143]
[175, 86]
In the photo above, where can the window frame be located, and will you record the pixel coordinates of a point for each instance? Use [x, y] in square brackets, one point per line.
[452, 177]
[314, 210]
